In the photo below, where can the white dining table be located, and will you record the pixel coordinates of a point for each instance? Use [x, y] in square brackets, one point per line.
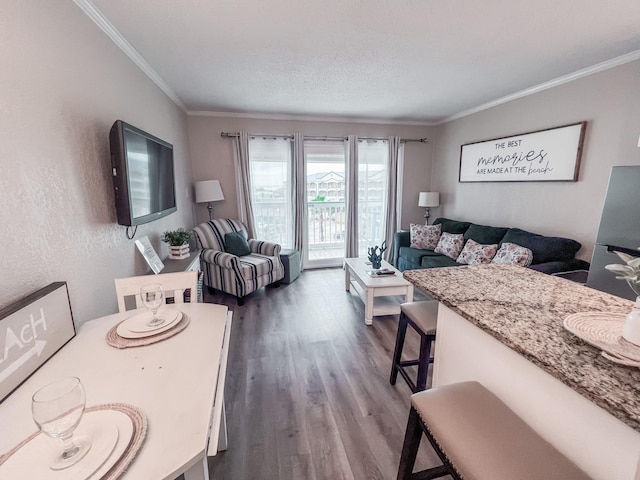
[178, 384]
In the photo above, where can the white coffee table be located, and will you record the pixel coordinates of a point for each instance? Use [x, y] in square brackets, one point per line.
[376, 290]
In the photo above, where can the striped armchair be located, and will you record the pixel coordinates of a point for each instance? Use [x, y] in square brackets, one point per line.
[238, 276]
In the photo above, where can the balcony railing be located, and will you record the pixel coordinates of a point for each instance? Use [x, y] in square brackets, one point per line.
[326, 225]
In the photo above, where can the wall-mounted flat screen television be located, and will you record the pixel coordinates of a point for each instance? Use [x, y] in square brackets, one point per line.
[142, 168]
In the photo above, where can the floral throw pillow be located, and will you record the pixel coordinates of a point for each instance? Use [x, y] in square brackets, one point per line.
[475, 253]
[450, 244]
[512, 253]
[425, 237]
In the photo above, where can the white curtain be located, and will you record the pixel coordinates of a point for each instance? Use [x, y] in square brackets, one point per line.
[243, 181]
[392, 216]
[352, 247]
[299, 183]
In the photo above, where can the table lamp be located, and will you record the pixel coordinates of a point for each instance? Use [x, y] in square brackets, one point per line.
[428, 200]
[209, 191]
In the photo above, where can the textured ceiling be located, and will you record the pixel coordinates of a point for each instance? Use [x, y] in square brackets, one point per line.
[398, 60]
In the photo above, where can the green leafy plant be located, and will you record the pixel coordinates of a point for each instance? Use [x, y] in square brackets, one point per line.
[629, 272]
[176, 238]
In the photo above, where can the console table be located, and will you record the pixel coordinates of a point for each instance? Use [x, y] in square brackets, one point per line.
[189, 264]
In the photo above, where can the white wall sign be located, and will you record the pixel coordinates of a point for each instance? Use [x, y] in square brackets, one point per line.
[31, 331]
[546, 155]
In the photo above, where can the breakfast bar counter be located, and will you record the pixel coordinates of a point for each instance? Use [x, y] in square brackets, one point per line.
[503, 326]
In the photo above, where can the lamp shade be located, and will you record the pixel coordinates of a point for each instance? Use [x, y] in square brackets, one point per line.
[208, 191]
[429, 199]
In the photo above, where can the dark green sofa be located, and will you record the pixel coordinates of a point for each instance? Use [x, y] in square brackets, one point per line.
[550, 254]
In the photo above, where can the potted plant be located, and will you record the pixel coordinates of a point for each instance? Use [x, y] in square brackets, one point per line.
[178, 241]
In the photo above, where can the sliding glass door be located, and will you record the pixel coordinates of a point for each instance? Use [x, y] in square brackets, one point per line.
[325, 166]
[373, 160]
[324, 227]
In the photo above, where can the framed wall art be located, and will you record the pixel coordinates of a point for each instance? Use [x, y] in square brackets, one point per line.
[541, 156]
[32, 330]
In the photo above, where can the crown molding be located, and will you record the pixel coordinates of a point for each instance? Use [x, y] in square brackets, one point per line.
[585, 72]
[105, 25]
[310, 118]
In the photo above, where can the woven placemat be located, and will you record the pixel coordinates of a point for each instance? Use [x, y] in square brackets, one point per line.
[115, 340]
[604, 331]
[139, 423]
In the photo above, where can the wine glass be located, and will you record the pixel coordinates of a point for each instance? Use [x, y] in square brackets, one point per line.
[152, 297]
[57, 409]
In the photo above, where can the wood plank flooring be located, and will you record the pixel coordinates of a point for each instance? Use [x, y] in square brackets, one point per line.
[307, 392]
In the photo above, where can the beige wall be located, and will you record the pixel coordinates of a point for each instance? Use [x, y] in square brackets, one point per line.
[63, 84]
[212, 156]
[608, 101]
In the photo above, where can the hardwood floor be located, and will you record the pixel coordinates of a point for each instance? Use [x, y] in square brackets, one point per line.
[307, 392]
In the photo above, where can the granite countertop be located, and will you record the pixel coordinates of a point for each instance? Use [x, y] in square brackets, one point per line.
[525, 309]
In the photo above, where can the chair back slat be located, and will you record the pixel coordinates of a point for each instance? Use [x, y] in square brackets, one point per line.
[175, 286]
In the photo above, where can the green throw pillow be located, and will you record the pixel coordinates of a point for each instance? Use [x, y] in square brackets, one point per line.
[236, 243]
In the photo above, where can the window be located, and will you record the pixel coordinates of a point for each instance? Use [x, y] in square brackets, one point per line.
[270, 165]
[373, 160]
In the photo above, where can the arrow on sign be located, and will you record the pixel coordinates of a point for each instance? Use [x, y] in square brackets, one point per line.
[37, 349]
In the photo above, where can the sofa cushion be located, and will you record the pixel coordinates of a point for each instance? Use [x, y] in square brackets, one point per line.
[425, 236]
[452, 226]
[236, 243]
[438, 261]
[484, 234]
[544, 249]
[512, 253]
[450, 244]
[474, 253]
[413, 255]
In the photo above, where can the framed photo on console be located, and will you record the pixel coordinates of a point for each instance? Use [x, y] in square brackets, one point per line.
[549, 155]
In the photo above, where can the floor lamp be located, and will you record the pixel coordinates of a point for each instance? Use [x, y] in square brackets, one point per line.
[428, 200]
[209, 191]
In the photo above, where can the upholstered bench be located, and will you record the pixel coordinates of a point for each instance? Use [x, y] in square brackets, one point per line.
[478, 437]
[291, 261]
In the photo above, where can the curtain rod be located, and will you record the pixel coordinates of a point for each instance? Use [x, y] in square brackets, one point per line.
[311, 137]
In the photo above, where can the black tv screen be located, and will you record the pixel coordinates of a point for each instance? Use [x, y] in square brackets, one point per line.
[142, 175]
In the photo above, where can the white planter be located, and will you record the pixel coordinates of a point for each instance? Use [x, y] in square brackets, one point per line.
[178, 253]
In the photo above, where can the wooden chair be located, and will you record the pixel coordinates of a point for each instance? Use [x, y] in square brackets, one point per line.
[182, 287]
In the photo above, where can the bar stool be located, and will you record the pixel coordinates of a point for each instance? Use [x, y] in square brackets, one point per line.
[477, 436]
[422, 317]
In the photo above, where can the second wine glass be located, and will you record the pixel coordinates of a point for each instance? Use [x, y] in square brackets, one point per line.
[152, 297]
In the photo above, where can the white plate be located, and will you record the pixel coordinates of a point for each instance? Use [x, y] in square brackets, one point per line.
[124, 332]
[138, 322]
[110, 433]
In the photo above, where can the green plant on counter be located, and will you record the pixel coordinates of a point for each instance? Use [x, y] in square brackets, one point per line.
[629, 272]
[176, 238]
